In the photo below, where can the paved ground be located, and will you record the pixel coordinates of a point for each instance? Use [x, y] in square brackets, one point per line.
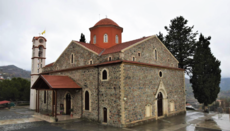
[191, 121]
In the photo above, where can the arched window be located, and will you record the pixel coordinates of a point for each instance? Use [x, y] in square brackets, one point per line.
[105, 115]
[44, 96]
[116, 38]
[105, 38]
[40, 52]
[133, 58]
[86, 100]
[71, 59]
[94, 39]
[104, 75]
[155, 54]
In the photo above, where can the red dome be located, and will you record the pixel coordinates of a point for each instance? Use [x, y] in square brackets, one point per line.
[106, 21]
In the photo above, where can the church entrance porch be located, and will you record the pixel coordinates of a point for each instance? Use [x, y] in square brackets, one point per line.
[53, 95]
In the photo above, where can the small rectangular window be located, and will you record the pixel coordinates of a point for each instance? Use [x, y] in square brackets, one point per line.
[110, 58]
[91, 62]
[38, 70]
[133, 58]
[38, 65]
[41, 65]
[139, 54]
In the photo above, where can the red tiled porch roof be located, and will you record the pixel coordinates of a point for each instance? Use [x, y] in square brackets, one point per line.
[55, 82]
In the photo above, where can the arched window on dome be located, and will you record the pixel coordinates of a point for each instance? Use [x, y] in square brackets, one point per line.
[116, 38]
[105, 38]
[94, 39]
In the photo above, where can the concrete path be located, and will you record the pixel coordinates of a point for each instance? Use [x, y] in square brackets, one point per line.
[21, 119]
[18, 121]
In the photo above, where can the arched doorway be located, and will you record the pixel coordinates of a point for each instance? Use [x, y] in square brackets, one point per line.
[68, 104]
[160, 104]
[105, 115]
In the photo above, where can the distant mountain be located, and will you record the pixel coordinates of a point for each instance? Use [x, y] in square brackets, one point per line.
[13, 71]
[225, 84]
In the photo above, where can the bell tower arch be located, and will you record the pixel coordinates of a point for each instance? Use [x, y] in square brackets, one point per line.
[37, 62]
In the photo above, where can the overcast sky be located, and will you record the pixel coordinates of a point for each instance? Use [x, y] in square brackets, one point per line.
[65, 20]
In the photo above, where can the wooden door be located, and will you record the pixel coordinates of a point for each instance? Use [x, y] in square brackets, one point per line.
[160, 104]
[68, 104]
[105, 114]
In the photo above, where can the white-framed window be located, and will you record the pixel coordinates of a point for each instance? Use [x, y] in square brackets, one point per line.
[104, 74]
[87, 100]
[134, 58]
[160, 74]
[116, 39]
[94, 39]
[90, 62]
[105, 38]
[109, 58]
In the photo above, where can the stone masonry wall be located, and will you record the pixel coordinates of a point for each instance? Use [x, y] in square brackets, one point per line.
[109, 92]
[81, 58]
[45, 108]
[87, 79]
[141, 84]
[110, 95]
[147, 53]
[75, 100]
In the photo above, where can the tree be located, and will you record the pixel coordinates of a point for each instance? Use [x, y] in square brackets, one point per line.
[180, 41]
[82, 39]
[206, 73]
[15, 89]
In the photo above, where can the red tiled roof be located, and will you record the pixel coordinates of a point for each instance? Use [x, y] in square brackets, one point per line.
[60, 81]
[56, 82]
[119, 47]
[4, 102]
[37, 37]
[1, 78]
[91, 47]
[48, 65]
[106, 21]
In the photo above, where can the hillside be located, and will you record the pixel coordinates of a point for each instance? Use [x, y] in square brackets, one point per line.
[225, 84]
[13, 71]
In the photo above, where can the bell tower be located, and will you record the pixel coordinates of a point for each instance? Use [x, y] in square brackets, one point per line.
[37, 62]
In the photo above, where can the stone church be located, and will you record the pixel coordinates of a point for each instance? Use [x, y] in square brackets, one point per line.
[106, 80]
